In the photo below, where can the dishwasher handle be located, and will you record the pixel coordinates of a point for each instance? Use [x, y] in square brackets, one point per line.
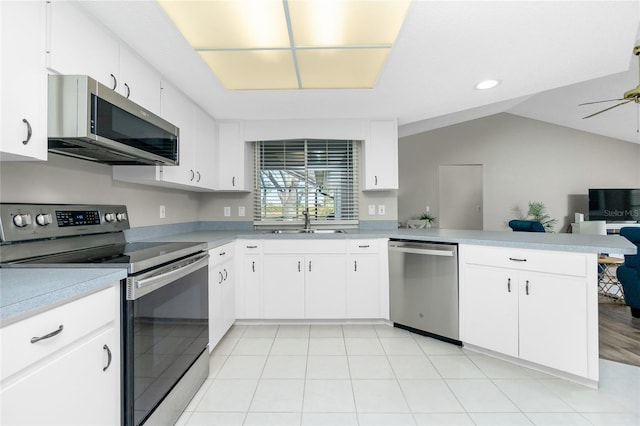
[429, 252]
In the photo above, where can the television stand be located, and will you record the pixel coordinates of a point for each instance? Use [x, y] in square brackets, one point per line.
[614, 227]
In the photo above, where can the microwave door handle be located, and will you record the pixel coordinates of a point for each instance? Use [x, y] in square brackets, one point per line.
[144, 286]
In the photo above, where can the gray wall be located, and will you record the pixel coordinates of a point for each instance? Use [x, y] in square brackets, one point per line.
[67, 180]
[523, 160]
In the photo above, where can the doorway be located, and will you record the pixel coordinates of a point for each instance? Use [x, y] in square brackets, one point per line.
[460, 196]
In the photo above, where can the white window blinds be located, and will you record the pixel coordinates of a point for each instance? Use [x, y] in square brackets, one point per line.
[295, 175]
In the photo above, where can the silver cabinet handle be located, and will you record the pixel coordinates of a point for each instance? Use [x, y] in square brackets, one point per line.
[48, 336]
[515, 259]
[226, 274]
[128, 90]
[253, 266]
[355, 266]
[298, 266]
[365, 246]
[222, 253]
[309, 266]
[109, 357]
[509, 285]
[252, 247]
[233, 181]
[29, 131]
[198, 180]
[193, 174]
[221, 277]
[526, 288]
[115, 81]
[376, 180]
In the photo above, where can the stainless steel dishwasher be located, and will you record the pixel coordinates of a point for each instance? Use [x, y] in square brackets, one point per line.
[423, 282]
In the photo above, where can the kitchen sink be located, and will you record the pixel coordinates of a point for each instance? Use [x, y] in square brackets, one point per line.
[308, 231]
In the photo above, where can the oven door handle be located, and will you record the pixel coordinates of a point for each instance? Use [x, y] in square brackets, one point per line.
[145, 284]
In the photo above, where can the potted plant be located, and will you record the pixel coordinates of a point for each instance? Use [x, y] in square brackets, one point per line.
[425, 220]
[537, 212]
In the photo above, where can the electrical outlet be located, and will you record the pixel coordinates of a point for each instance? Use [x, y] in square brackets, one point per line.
[428, 209]
[381, 209]
[241, 211]
[227, 211]
[372, 209]
[163, 212]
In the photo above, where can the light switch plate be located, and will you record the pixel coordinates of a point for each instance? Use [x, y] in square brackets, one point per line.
[227, 211]
[163, 212]
[381, 209]
[372, 209]
[241, 211]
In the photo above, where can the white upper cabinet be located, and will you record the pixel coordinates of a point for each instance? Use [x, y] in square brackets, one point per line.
[23, 81]
[232, 155]
[138, 81]
[204, 153]
[381, 156]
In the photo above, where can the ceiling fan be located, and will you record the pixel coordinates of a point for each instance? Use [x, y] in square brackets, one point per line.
[632, 95]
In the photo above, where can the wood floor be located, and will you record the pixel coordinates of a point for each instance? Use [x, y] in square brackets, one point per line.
[619, 334]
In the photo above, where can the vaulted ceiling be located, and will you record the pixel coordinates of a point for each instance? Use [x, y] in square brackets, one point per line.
[548, 55]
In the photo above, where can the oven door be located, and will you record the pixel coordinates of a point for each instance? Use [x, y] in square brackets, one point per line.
[165, 330]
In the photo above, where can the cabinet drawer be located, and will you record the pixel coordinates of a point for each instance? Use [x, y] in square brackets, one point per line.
[553, 262]
[221, 254]
[78, 318]
[250, 246]
[303, 247]
[364, 246]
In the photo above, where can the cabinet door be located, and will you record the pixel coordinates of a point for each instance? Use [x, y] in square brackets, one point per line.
[381, 156]
[249, 299]
[489, 308]
[283, 287]
[204, 153]
[178, 110]
[363, 295]
[71, 389]
[23, 81]
[553, 318]
[325, 289]
[231, 158]
[138, 81]
[78, 44]
[228, 296]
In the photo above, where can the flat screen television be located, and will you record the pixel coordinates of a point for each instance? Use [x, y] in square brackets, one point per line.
[614, 205]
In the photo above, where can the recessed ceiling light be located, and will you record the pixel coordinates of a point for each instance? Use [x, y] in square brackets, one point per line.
[487, 84]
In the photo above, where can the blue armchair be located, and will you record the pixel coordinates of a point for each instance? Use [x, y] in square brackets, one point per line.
[629, 272]
[525, 226]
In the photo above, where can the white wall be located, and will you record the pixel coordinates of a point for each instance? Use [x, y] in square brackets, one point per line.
[67, 180]
[523, 160]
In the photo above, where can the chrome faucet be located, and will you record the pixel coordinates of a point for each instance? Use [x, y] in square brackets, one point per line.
[307, 219]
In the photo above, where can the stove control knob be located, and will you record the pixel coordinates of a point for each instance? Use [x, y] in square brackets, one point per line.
[121, 217]
[110, 217]
[44, 219]
[22, 220]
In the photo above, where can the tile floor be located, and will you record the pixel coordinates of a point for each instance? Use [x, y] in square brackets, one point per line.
[380, 375]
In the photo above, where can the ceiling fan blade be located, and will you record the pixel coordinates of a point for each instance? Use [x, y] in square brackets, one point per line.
[597, 102]
[607, 109]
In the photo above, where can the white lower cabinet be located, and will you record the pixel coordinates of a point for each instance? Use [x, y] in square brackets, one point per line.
[544, 318]
[249, 282]
[363, 296]
[71, 378]
[325, 286]
[221, 292]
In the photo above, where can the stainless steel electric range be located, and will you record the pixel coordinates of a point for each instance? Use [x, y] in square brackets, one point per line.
[164, 299]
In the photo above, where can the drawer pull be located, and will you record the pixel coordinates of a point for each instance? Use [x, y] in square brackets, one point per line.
[48, 336]
[106, 348]
[222, 253]
[365, 246]
[252, 247]
[515, 259]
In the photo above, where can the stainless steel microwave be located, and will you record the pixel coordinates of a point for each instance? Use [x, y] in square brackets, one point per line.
[90, 121]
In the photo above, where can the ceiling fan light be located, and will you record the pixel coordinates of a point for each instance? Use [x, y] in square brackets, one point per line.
[487, 84]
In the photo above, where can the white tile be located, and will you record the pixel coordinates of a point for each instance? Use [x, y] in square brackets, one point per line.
[370, 367]
[389, 331]
[215, 364]
[359, 330]
[285, 367]
[228, 395]
[326, 346]
[242, 367]
[400, 346]
[363, 346]
[557, 419]
[430, 396]
[386, 419]
[184, 417]
[198, 396]
[609, 419]
[531, 396]
[413, 367]
[379, 396]
[278, 395]
[497, 419]
[253, 346]
[225, 346]
[322, 330]
[327, 367]
[261, 330]
[456, 367]
[202, 418]
[583, 399]
[328, 396]
[495, 368]
[235, 331]
[481, 396]
[436, 347]
[329, 419]
[290, 346]
[442, 419]
[272, 419]
[293, 330]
